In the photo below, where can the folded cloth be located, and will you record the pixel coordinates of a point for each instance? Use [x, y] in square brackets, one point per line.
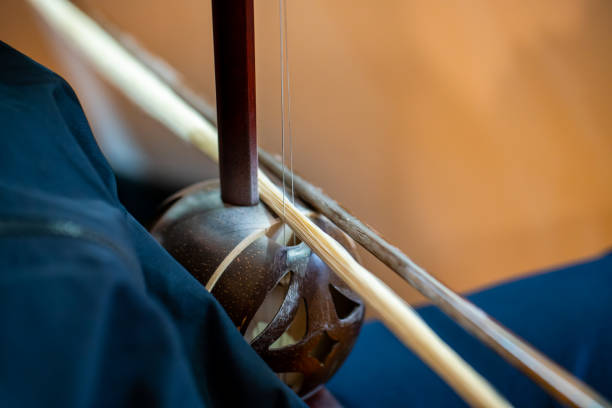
[565, 313]
[93, 312]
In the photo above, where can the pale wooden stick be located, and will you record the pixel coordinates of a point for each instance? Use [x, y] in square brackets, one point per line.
[118, 66]
[152, 95]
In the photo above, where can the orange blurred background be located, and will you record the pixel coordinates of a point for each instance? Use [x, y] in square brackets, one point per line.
[477, 138]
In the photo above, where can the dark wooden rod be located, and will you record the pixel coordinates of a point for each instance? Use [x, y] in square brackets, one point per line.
[235, 83]
[553, 378]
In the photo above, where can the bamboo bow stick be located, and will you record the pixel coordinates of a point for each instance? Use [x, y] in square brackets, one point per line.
[147, 91]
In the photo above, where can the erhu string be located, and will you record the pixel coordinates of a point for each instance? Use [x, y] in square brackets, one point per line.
[282, 92]
[290, 127]
[285, 102]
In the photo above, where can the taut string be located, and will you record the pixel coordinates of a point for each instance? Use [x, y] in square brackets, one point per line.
[285, 102]
[288, 72]
[282, 92]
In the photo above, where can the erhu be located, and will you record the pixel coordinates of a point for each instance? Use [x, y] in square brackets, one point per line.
[293, 310]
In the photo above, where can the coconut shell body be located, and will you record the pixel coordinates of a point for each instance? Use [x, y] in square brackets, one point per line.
[293, 310]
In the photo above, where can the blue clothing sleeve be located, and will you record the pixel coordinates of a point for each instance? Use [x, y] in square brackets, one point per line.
[564, 313]
[93, 312]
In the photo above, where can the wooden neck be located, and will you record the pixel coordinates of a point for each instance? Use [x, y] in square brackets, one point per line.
[233, 29]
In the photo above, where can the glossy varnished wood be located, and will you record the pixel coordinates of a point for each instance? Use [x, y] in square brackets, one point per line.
[235, 85]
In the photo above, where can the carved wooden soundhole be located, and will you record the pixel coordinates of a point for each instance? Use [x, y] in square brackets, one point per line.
[343, 305]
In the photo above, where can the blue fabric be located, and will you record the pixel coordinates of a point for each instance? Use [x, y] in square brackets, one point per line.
[93, 312]
[567, 314]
